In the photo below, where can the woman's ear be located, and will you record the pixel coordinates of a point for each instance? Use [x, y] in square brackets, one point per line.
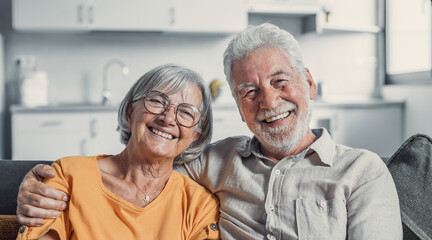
[196, 135]
[129, 111]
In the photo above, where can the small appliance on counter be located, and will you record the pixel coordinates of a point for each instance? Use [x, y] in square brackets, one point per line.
[33, 83]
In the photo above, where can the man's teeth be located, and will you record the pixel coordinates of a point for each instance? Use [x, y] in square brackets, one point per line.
[162, 134]
[278, 117]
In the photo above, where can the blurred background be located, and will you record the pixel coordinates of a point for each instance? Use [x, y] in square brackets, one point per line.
[65, 65]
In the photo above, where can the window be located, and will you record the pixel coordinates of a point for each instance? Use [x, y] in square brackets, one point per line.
[408, 42]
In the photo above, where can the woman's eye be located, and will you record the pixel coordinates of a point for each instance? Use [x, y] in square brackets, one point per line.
[156, 102]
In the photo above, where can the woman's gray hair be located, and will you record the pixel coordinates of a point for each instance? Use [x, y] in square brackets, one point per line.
[170, 78]
[257, 37]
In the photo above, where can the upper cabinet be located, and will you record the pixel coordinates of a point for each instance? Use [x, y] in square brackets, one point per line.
[320, 16]
[50, 15]
[130, 15]
[86, 15]
[208, 16]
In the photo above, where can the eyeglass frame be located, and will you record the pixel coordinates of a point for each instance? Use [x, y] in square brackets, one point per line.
[167, 107]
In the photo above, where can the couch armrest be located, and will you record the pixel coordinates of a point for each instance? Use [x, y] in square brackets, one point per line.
[8, 227]
[11, 175]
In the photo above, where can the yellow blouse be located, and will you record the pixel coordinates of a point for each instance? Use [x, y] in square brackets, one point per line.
[183, 210]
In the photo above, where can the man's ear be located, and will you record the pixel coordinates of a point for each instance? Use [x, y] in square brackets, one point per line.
[312, 85]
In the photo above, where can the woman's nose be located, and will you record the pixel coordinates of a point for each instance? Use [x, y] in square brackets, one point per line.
[169, 116]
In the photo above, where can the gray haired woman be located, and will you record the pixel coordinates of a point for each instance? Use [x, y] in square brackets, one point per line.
[165, 117]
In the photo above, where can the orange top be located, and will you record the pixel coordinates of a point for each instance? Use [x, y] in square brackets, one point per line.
[183, 210]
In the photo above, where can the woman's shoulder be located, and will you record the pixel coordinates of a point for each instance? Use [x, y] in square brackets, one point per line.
[76, 163]
[190, 187]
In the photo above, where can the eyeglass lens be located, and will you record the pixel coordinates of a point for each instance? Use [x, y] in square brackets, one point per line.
[186, 114]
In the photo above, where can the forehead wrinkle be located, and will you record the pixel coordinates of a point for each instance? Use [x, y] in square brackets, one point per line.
[280, 72]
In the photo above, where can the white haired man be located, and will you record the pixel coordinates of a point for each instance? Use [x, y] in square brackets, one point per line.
[288, 181]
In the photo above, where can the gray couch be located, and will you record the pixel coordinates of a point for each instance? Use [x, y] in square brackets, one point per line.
[12, 173]
[410, 166]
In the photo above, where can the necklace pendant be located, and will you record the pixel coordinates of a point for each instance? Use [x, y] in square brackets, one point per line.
[147, 198]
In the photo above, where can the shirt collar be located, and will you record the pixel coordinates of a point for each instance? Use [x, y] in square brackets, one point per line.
[323, 146]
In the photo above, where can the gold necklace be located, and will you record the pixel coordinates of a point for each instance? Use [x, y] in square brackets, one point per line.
[146, 198]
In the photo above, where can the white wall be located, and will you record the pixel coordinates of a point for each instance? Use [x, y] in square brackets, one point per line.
[74, 61]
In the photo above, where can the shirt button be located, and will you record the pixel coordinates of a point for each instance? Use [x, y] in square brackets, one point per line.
[271, 207]
[271, 237]
[277, 172]
[213, 226]
[322, 204]
[21, 229]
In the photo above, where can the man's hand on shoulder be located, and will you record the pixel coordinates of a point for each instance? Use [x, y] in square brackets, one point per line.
[36, 200]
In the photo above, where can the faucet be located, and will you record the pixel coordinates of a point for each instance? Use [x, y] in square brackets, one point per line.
[106, 94]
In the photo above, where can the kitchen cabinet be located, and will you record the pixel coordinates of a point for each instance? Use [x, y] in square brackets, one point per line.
[376, 125]
[48, 134]
[86, 15]
[198, 16]
[227, 123]
[207, 16]
[50, 15]
[327, 16]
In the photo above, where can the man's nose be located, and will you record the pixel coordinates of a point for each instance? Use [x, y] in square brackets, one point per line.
[269, 98]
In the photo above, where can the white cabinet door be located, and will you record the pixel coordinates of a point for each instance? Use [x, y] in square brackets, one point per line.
[49, 136]
[129, 15]
[208, 15]
[49, 14]
[227, 123]
[376, 128]
[349, 15]
[103, 135]
[64, 15]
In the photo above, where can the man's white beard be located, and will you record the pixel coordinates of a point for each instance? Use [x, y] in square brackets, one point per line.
[283, 139]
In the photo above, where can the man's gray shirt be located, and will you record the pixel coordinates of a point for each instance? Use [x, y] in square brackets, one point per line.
[329, 191]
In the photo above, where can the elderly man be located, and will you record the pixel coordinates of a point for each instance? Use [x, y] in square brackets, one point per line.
[288, 181]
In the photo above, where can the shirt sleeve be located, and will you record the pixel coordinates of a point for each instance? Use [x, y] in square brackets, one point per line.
[373, 207]
[61, 224]
[206, 221]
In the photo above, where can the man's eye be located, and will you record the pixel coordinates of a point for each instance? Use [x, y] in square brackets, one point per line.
[279, 83]
[250, 94]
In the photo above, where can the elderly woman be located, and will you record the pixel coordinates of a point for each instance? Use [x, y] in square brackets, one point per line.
[165, 117]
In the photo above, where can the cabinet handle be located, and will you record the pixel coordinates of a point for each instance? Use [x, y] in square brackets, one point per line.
[51, 123]
[83, 145]
[219, 119]
[172, 16]
[90, 13]
[93, 128]
[80, 9]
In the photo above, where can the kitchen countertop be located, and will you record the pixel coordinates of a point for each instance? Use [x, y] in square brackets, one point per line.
[336, 103]
[356, 103]
[66, 107]
[318, 103]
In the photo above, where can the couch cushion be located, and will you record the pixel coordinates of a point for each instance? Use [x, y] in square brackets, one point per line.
[8, 227]
[11, 176]
[411, 168]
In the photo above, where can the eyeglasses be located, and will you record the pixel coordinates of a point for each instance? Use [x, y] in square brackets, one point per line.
[156, 102]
